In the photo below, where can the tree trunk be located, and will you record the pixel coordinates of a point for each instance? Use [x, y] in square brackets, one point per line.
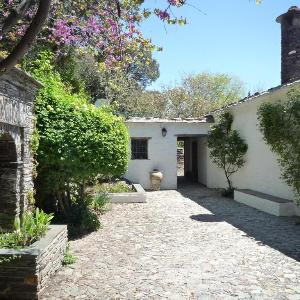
[27, 40]
[228, 181]
[61, 204]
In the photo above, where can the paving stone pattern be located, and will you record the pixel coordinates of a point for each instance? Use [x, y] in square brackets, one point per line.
[190, 244]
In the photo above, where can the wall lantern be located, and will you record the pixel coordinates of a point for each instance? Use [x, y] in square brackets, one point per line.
[164, 132]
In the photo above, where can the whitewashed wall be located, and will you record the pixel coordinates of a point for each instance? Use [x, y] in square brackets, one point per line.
[261, 171]
[202, 160]
[162, 151]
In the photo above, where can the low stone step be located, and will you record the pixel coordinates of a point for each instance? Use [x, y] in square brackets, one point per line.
[265, 202]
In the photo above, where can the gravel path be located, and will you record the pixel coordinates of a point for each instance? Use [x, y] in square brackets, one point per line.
[190, 244]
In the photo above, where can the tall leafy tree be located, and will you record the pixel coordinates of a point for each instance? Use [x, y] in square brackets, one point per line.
[194, 96]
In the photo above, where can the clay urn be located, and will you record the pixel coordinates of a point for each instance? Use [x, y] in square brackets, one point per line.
[155, 178]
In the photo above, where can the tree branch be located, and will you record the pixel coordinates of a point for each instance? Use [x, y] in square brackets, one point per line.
[16, 14]
[26, 41]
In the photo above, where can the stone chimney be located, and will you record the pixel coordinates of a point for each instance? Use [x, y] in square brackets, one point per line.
[290, 45]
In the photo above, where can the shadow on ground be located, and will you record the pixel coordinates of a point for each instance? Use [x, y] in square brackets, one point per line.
[280, 233]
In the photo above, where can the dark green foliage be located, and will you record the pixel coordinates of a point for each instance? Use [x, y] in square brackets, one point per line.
[280, 126]
[77, 143]
[228, 193]
[32, 227]
[227, 148]
[82, 218]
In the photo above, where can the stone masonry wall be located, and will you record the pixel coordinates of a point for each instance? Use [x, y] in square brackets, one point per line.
[290, 45]
[17, 93]
[26, 275]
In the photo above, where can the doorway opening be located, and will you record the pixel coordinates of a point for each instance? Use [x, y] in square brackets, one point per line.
[191, 159]
[180, 158]
[187, 160]
[9, 183]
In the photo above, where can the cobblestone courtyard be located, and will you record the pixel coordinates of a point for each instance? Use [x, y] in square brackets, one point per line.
[189, 244]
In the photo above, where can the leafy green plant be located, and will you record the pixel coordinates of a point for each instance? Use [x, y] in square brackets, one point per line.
[113, 187]
[99, 202]
[69, 257]
[30, 229]
[30, 197]
[227, 148]
[280, 126]
[83, 218]
[77, 143]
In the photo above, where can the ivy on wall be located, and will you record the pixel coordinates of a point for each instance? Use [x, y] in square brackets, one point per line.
[280, 126]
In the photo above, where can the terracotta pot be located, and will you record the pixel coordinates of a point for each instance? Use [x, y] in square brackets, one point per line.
[155, 178]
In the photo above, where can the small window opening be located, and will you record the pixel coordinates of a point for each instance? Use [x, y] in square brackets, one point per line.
[139, 148]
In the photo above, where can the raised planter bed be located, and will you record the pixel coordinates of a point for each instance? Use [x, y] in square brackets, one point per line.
[27, 273]
[139, 196]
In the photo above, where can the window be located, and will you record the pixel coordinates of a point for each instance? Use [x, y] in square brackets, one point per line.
[139, 148]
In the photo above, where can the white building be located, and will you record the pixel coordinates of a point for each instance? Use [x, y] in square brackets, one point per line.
[260, 173]
[157, 139]
[154, 146]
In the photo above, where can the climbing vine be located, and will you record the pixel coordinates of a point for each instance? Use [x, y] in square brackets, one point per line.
[280, 126]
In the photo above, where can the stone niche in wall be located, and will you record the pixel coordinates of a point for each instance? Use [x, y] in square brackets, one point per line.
[17, 93]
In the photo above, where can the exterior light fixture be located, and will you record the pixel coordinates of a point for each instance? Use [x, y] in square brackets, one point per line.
[164, 132]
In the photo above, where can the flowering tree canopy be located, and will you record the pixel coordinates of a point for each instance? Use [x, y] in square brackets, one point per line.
[107, 29]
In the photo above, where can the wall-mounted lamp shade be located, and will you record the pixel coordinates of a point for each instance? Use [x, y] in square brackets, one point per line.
[164, 132]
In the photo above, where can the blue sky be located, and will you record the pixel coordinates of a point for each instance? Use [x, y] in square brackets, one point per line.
[233, 36]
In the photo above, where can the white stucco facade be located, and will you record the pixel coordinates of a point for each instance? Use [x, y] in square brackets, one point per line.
[162, 151]
[261, 171]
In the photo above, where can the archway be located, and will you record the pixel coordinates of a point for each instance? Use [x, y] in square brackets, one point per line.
[9, 183]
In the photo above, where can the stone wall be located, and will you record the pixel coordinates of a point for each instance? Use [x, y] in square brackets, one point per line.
[26, 275]
[17, 93]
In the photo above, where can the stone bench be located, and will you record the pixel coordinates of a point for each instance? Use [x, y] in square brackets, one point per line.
[264, 202]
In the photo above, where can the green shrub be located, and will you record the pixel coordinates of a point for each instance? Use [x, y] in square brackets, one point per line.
[82, 217]
[77, 143]
[69, 257]
[33, 226]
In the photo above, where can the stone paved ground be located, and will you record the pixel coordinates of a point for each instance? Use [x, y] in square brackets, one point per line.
[189, 244]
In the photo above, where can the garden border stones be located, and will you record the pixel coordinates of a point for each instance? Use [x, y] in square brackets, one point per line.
[27, 272]
[139, 196]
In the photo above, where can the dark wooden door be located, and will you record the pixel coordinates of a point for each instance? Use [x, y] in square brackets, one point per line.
[195, 161]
